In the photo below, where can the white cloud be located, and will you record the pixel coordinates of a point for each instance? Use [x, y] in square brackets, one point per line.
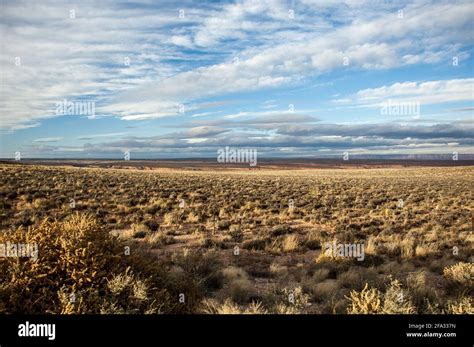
[429, 92]
[49, 139]
[203, 114]
[95, 136]
[181, 40]
[361, 42]
[85, 57]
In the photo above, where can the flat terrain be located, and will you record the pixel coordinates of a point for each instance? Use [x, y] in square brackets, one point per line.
[256, 240]
[266, 164]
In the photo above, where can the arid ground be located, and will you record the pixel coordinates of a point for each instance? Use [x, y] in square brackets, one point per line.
[144, 239]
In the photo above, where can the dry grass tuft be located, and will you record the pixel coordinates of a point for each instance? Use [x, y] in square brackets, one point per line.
[367, 301]
[462, 273]
[371, 301]
[211, 306]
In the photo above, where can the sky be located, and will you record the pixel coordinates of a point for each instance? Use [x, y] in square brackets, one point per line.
[183, 79]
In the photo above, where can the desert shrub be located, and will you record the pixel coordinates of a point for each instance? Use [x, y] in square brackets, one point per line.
[152, 224]
[423, 288]
[325, 289]
[197, 273]
[211, 306]
[312, 240]
[76, 259]
[320, 275]
[372, 247]
[325, 257]
[236, 233]
[291, 301]
[290, 243]
[171, 218]
[424, 250]
[237, 285]
[408, 247]
[464, 305]
[192, 218]
[68, 256]
[129, 294]
[277, 270]
[281, 229]
[255, 244]
[366, 301]
[158, 239]
[152, 209]
[462, 273]
[284, 244]
[141, 234]
[140, 230]
[395, 300]
[223, 224]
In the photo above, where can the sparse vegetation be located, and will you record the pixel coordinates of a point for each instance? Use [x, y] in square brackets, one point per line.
[228, 241]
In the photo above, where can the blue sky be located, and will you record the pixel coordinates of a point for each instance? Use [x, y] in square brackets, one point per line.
[184, 79]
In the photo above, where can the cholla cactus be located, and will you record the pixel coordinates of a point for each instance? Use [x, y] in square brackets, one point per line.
[367, 301]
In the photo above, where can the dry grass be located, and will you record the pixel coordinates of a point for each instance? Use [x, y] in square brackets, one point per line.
[290, 243]
[210, 306]
[228, 241]
[367, 301]
[462, 273]
[395, 300]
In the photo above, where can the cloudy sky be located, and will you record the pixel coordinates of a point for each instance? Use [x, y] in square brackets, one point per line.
[166, 79]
